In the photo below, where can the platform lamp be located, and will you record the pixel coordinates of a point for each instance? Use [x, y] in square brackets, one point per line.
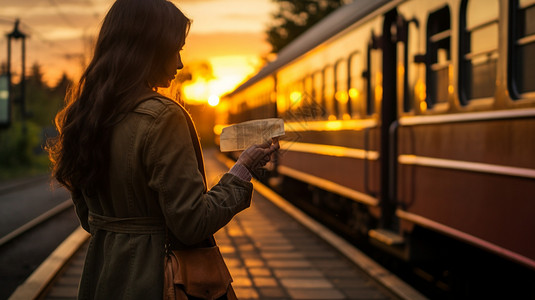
[5, 81]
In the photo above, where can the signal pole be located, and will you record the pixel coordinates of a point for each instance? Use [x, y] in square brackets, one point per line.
[17, 34]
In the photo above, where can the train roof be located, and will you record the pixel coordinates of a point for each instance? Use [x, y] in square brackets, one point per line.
[334, 23]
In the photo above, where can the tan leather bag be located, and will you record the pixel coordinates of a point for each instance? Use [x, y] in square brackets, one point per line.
[199, 272]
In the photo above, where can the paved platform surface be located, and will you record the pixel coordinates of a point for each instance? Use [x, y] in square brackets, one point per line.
[270, 256]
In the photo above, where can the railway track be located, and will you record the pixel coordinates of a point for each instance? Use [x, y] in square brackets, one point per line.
[35, 221]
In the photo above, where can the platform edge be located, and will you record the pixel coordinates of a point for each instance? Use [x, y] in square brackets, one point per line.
[38, 281]
[376, 271]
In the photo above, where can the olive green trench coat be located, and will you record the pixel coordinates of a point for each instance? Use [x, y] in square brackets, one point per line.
[156, 180]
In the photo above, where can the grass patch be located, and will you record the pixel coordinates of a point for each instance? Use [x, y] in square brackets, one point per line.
[40, 165]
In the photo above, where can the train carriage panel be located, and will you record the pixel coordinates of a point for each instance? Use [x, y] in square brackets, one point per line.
[465, 164]
[421, 110]
[325, 136]
[470, 178]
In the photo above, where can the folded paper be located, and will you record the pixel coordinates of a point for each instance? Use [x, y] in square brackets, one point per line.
[242, 135]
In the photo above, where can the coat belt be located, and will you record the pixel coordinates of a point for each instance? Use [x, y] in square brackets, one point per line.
[136, 225]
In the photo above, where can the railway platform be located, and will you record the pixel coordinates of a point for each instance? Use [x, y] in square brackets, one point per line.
[273, 252]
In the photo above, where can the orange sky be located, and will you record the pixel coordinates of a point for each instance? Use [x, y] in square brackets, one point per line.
[227, 33]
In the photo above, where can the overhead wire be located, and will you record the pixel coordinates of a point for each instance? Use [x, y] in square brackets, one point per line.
[65, 19]
[61, 14]
[91, 4]
[56, 49]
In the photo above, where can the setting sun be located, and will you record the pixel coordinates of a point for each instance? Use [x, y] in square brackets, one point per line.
[213, 100]
[228, 72]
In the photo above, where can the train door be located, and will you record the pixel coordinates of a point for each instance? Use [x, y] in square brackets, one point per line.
[393, 43]
[388, 117]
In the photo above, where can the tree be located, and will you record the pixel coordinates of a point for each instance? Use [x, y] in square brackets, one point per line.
[295, 17]
[64, 83]
[36, 76]
[22, 143]
[42, 101]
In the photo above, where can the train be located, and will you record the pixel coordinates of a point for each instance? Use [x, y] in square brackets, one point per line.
[410, 124]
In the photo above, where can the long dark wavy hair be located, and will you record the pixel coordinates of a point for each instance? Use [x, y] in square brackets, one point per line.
[136, 39]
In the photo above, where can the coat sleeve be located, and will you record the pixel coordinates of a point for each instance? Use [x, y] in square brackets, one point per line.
[81, 209]
[191, 213]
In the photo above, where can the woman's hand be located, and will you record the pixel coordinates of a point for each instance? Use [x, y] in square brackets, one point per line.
[257, 156]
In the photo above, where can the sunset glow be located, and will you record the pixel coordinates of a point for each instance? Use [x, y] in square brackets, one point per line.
[227, 34]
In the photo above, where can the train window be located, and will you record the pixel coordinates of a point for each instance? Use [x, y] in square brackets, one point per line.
[438, 57]
[295, 96]
[233, 111]
[402, 31]
[300, 100]
[309, 88]
[341, 97]
[317, 95]
[282, 103]
[310, 108]
[355, 75]
[307, 94]
[522, 62]
[244, 112]
[328, 92]
[478, 49]
[374, 75]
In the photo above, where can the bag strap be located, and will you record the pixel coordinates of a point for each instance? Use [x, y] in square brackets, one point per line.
[196, 143]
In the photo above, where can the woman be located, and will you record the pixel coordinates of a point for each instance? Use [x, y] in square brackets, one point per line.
[131, 158]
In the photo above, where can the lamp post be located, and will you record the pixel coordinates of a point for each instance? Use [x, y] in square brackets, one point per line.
[17, 34]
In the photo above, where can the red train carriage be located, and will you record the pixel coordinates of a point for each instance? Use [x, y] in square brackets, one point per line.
[420, 113]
